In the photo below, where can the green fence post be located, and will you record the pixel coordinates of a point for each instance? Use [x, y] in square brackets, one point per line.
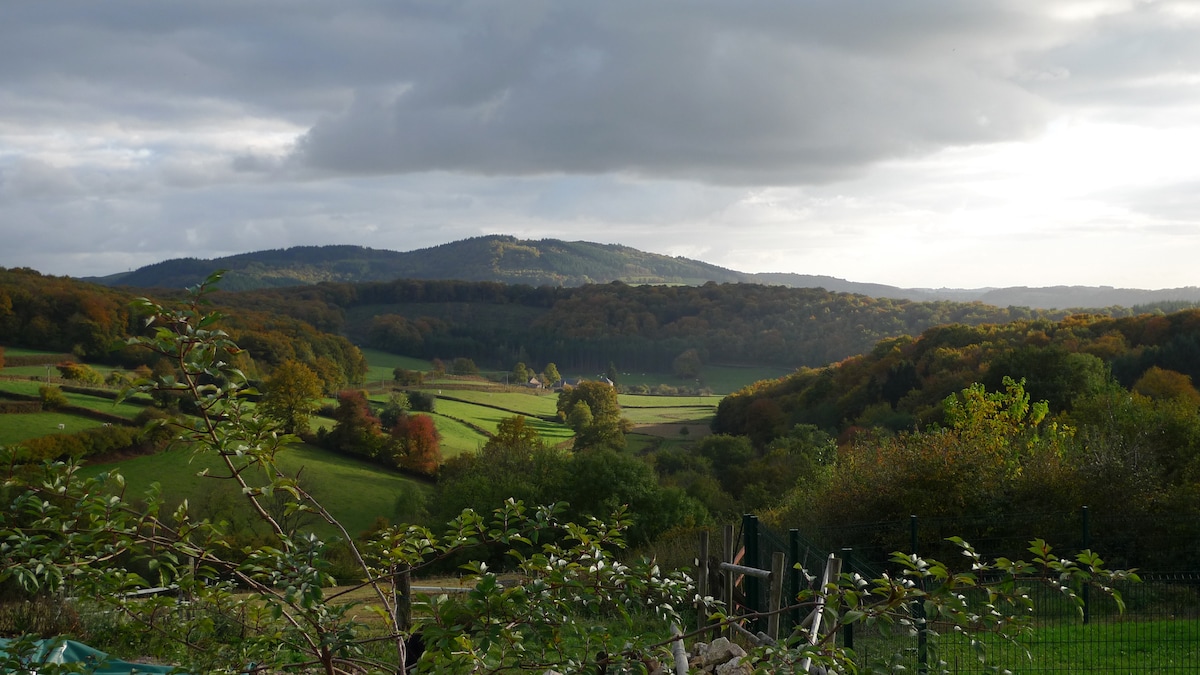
[750, 530]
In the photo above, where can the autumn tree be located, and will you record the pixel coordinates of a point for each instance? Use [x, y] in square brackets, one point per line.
[592, 410]
[2, 353]
[463, 366]
[1159, 383]
[331, 374]
[356, 430]
[407, 378]
[79, 372]
[416, 444]
[293, 393]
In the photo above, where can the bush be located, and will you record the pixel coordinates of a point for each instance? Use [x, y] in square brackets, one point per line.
[52, 397]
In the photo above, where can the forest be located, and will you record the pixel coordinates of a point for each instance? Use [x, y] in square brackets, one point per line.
[641, 328]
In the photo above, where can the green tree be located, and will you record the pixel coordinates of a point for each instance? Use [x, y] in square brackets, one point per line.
[293, 393]
[515, 463]
[463, 366]
[397, 406]
[550, 374]
[520, 374]
[593, 411]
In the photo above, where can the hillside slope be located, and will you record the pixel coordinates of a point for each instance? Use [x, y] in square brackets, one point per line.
[552, 262]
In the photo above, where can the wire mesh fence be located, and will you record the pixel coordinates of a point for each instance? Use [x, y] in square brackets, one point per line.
[1159, 631]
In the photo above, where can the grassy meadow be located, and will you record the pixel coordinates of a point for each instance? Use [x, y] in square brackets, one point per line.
[356, 491]
[17, 428]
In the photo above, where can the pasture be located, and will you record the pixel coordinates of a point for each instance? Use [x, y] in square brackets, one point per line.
[124, 409]
[355, 491]
[22, 427]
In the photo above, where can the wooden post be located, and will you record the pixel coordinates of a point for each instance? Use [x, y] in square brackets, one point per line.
[702, 581]
[730, 546]
[776, 599]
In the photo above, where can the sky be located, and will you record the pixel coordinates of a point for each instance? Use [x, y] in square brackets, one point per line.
[925, 143]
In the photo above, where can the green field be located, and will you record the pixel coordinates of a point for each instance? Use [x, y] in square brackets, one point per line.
[529, 403]
[30, 388]
[456, 437]
[21, 351]
[356, 492]
[381, 364]
[17, 428]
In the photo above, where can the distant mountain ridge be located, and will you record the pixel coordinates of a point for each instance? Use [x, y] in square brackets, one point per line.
[507, 259]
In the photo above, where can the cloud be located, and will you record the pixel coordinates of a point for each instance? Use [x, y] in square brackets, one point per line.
[751, 92]
[824, 136]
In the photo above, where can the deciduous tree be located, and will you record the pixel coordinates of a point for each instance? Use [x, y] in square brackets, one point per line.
[416, 444]
[592, 410]
[293, 393]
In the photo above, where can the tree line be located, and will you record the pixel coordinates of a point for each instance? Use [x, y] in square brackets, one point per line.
[637, 327]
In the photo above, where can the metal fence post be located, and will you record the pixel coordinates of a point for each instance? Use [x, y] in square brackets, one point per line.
[750, 534]
[730, 550]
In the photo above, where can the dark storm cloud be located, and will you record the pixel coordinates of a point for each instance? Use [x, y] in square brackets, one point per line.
[723, 92]
[132, 131]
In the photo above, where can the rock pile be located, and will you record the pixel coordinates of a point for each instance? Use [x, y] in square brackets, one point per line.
[720, 657]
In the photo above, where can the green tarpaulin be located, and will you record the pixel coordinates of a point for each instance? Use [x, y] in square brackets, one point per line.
[69, 651]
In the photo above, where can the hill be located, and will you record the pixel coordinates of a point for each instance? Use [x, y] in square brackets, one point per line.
[552, 262]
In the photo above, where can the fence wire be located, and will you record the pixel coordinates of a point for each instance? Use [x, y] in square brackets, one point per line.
[1159, 631]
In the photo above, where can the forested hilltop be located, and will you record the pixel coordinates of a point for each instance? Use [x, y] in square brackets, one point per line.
[552, 262]
[902, 382]
[642, 328]
[88, 320]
